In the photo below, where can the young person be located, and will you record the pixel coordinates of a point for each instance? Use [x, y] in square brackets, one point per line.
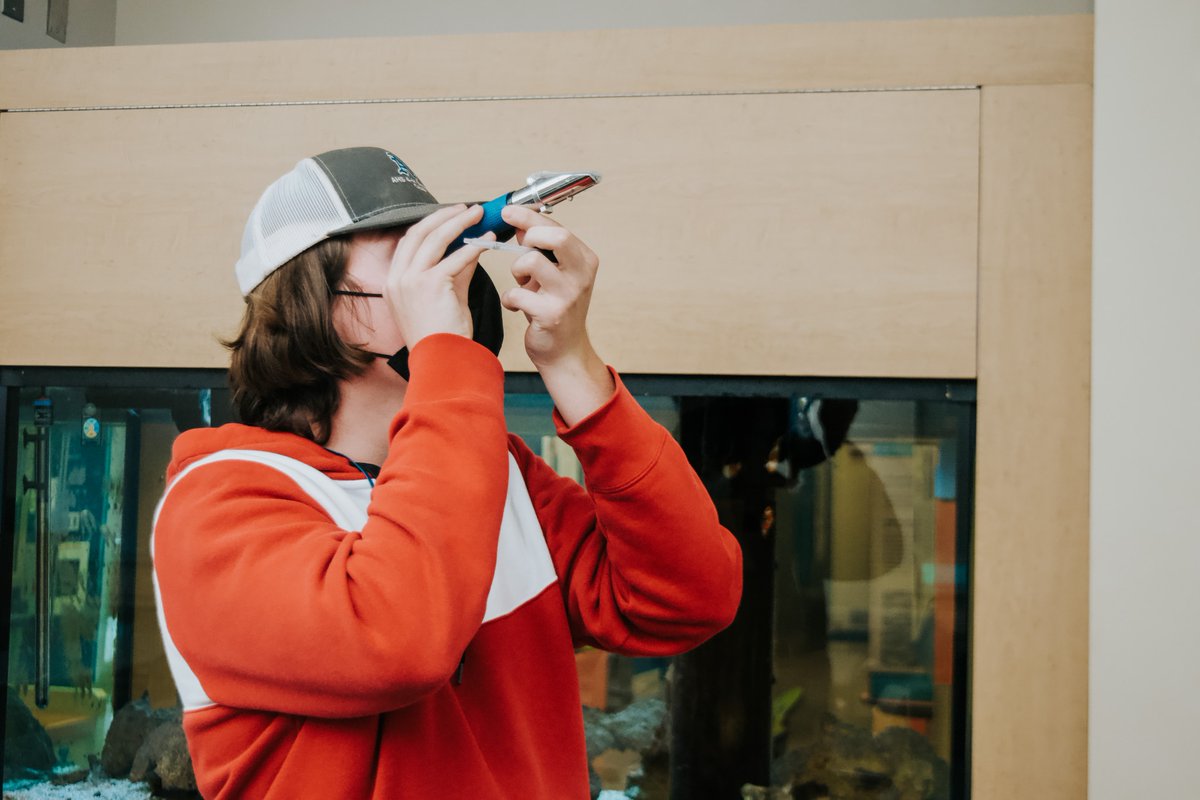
[368, 588]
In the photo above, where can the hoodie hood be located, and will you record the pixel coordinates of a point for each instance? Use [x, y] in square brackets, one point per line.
[197, 443]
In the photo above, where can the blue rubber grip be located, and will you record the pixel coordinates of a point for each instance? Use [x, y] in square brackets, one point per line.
[492, 221]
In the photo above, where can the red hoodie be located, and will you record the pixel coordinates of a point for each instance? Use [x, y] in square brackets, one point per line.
[416, 639]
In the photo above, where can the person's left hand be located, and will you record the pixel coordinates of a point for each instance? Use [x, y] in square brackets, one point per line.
[553, 296]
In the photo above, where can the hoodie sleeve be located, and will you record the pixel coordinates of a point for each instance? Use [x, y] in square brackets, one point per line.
[644, 565]
[274, 607]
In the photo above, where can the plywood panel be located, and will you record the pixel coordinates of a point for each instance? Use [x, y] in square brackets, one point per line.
[826, 234]
[1005, 50]
[1030, 601]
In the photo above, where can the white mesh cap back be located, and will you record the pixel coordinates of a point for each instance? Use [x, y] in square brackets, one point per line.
[294, 213]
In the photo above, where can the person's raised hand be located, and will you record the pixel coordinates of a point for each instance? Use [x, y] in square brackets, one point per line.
[426, 293]
[553, 296]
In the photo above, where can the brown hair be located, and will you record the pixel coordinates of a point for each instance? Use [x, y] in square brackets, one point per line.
[288, 357]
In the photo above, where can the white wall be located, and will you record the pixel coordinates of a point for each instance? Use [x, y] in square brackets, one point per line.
[89, 23]
[162, 21]
[1145, 610]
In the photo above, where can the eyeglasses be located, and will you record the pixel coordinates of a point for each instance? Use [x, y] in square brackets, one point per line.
[349, 293]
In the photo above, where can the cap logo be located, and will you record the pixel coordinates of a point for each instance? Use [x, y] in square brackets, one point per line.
[405, 174]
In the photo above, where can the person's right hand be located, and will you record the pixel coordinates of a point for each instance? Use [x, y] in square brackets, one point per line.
[426, 293]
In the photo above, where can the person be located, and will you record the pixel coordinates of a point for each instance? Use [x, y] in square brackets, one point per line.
[367, 588]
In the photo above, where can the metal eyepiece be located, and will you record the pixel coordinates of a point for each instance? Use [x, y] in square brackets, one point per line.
[548, 189]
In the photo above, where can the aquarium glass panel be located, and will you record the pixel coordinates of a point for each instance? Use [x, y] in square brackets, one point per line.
[843, 675]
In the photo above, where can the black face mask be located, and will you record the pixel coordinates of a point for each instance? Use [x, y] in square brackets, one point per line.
[487, 320]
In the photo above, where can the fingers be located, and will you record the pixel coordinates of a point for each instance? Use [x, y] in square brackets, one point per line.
[423, 244]
[435, 242]
[534, 270]
[466, 256]
[415, 235]
[533, 304]
[536, 230]
[554, 288]
[524, 217]
[427, 290]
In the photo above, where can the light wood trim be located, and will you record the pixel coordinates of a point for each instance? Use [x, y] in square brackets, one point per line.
[970, 52]
[1030, 601]
[800, 234]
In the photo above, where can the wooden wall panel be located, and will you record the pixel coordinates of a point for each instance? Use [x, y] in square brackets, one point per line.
[1030, 601]
[824, 234]
[967, 52]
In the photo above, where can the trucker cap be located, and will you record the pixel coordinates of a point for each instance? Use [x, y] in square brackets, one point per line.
[337, 192]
